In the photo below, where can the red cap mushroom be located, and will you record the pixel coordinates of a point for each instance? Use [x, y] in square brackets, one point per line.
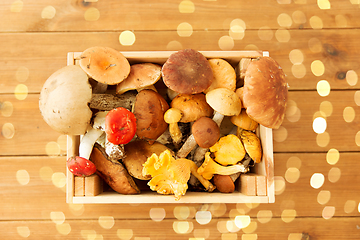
[120, 126]
[187, 71]
[80, 166]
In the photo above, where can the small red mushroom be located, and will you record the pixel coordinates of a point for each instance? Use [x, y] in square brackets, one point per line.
[80, 166]
[120, 126]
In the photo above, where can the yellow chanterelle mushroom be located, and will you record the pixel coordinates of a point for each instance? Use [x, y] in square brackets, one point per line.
[170, 175]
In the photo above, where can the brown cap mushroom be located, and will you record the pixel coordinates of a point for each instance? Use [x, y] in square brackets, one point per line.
[224, 75]
[64, 101]
[265, 92]
[244, 121]
[149, 109]
[193, 106]
[187, 71]
[224, 183]
[105, 65]
[224, 101]
[141, 75]
[206, 132]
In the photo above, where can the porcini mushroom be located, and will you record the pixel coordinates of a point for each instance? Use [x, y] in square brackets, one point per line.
[149, 109]
[142, 75]
[105, 65]
[265, 92]
[224, 75]
[64, 100]
[187, 71]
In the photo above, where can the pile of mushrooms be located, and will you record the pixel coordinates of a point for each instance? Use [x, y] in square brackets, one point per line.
[145, 118]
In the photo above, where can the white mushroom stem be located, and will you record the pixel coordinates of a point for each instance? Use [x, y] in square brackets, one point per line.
[91, 136]
[87, 142]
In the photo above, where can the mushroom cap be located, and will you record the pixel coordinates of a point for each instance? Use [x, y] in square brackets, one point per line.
[224, 75]
[224, 101]
[252, 145]
[137, 152]
[244, 121]
[224, 183]
[206, 132]
[105, 65]
[64, 100]
[187, 71]
[193, 106]
[149, 109]
[141, 75]
[172, 115]
[265, 92]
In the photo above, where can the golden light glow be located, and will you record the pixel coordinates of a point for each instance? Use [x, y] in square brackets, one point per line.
[92, 14]
[319, 125]
[324, 4]
[323, 197]
[23, 177]
[184, 29]
[323, 88]
[186, 6]
[332, 156]
[317, 68]
[157, 214]
[317, 180]
[127, 38]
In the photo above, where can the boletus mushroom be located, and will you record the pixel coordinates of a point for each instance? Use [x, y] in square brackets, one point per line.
[265, 92]
[187, 71]
[149, 109]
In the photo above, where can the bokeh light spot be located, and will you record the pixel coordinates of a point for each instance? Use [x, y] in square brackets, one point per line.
[46, 173]
[59, 179]
[183, 227]
[282, 35]
[8, 130]
[57, 217]
[264, 216]
[317, 180]
[323, 88]
[288, 215]
[157, 214]
[23, 177]
[248, 236]
[332, 156]
[280, 134]
[357, 138]
[323, 197]
[284, 20]
[316, 22]
[184, 29]
[326, 108]
[296, 56]
[298, 70]
[226, 43]
[292, 175]
[22, 74]
[203, 217]
[242, 221]
[351, 77]
[293, 162]
[127, 38]
[106, 222]
[21, 92]
[323, 139]
[299, 17]
[92, 14]
[6, 108]
[317, 68]
[17, 6]
[350, 206]
[328, 212]
[324, 4]
[174, 46]
[349, 114]
[334, 174]
[52, 149]
[23, 231]
[48, 12]
[63, 228]
[125, 234]
[265, 33]
[319, 125]
[181, 213]
[315, 45]
[280, 184]
[186, 6]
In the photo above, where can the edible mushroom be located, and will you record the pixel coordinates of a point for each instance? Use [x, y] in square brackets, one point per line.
[224, 75]
[243, 121]
[172, 116]
[64, 100]
[192, 106]
[105, 65]
[142, 75]
[229, 150]
[187, 71]
[265, 92]
[206, 132]
[149, 109]
[251, 144]
[210, 167]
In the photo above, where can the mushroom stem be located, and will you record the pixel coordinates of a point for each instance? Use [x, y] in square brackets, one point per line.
[187, 147]
[218, 117]
[209, 187]
[107, 102]
[87, 142]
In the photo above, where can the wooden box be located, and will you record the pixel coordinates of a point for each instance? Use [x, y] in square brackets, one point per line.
[265, 168]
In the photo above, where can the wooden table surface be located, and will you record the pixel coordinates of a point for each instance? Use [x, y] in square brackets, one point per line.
[316, 150]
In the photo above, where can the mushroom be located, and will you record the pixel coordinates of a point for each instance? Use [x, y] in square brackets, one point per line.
[149, 109]
[224, 102]
[172, 116]
[187, 71]
[265, 92]
[120, 126]
[251, 144]
[210, 167]
[105, 65]
[206, 132]
[142, 75]
[106, 101]
[64, 101]
[243, 121]
[80, 166]
[228, 150]
[224, 183]
[137, 152]
[192, 106]
[224, 75]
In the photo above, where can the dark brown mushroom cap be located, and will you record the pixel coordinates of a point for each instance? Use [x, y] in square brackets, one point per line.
[206, 132]
[265, 92]
[224, 183]
[192, 106]
[187, 71]
[149, 109]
